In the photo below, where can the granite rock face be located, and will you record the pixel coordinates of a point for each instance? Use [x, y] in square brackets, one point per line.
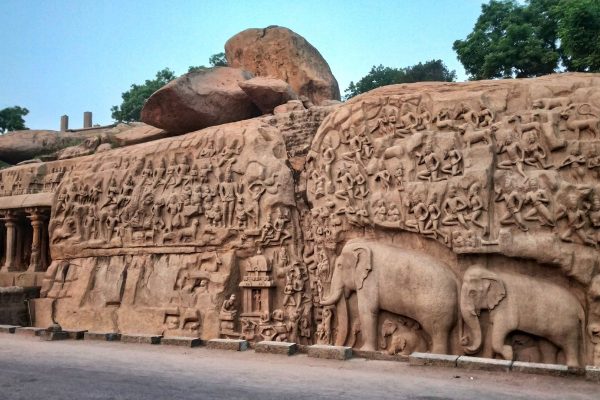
[278, 52]
[446, 218]
[268, 93]
[200, 99]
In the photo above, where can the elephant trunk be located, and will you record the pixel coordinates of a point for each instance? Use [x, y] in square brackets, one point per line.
[333, 297]
[472, 322]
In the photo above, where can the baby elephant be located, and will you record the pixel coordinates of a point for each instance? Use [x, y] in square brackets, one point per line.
[406, 337]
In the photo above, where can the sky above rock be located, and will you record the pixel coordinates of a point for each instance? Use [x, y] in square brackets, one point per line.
[67, 57]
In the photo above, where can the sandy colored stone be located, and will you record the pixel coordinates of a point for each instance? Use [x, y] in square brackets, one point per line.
[429, 359]
[267, 93]
[102, 336]
[539, 368]
[227, 344]
[484, 364]
[271, 347]
[200, 99]
[181, 341]
[141, 338]
[281, 53]
[330, 352]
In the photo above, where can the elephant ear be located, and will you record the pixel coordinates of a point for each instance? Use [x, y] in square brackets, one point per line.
[495, 292]
[363, 265]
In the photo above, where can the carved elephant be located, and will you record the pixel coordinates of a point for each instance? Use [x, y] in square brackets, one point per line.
[400, 281]
[520, 302]
[593, 327]
[405, 337]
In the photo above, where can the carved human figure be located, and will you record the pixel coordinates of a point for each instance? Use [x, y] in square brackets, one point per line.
[572, 210]
[576, 161]
[515, 154]
[476, 207]
[533, 153]
[513, 200]
[228, 191]
[432, 164]
[418, 209]
[455, 162]
[523, 303]
[540, 201]
[434, 214]
[454, 207]
[400, 281]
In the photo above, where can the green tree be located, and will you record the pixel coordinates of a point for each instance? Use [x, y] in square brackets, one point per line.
[512, 39]
[579, 33]
[218, 60]
[433, 70]
[11, 119]
[134, 98]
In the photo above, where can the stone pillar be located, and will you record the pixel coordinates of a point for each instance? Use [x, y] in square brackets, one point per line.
[64, 123]
[10, 221]
[37, 223]
[87, 119]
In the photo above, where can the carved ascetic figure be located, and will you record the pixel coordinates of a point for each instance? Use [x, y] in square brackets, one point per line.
[400, 281]
[519, 302]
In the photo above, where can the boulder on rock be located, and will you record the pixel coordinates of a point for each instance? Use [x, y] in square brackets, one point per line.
[281, 53]
[200, 99]
[268, 93]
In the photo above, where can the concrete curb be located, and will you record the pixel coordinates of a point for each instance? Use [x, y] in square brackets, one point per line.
[8, 328]
[271, 347]
[330, 352]
[430, 359]
[104, 336]
[140, 338]
[483, 364]
[181, 341]
[227, 344]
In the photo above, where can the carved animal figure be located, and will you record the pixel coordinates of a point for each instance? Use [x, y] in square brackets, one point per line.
[520, 302]
[578, 125]
[65, 231]
[593, 327]
[400, 281]
[188, 233]
[405, 336]
[548, 103]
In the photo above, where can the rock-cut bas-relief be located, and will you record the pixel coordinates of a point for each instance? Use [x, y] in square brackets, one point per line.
[448, 218]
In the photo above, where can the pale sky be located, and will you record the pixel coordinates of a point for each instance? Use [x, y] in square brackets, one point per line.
[69, 56]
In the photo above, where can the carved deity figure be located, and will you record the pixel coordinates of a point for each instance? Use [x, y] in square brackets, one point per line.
[540, 202]
[432, 164]
[513, 199]
[454, 207]
[573, 211]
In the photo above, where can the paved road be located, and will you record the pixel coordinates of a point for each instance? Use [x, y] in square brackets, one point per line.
[32, 369]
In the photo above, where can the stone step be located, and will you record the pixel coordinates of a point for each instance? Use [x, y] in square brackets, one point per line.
[104, 336]
[539, 368]
[227, 344]
[430, 359]
[272, 347]
[28, 331]
[330, 352]
[140, 338]
[483, 364]
[181, 341]
[592, 373]
[53, 335]
[8, 328]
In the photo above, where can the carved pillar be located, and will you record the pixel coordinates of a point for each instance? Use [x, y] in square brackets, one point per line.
[37, 223]
[10, 222]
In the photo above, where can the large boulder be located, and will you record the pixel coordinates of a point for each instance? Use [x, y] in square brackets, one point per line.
[200, 99]
[281, 53]
[268, 93]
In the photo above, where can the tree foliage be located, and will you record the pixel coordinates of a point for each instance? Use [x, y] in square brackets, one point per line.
[434, 70]
[512, 39]
[11, 119]
[134, 99]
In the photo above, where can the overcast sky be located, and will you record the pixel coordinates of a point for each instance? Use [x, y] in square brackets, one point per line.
[67, 57]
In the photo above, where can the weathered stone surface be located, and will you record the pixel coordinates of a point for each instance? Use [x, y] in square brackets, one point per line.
[430, 359]
[28, 331]
[267, 93]
[378, 355]
[8, 328]
[592, 373]
[281, 53]
[76, 334]
[102, 336]
[539, 368]
[290, 106]
[330, 352]
[272, 347]
[200, 99]
[181, 341]
[227, 344]
[484, 364]
[141, 338]
[13, 303]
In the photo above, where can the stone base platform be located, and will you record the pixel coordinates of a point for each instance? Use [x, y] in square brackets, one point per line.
[430, 359]
[105, 336]
[75, 334]
[8, 328]
[227, 344]
[330, 352]
[53, 335]
[540, 369]
[377, 355]
[28, 331]
[181, 341]
[272, 347]
[140, 338]
[483, 364]
[592, 374]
